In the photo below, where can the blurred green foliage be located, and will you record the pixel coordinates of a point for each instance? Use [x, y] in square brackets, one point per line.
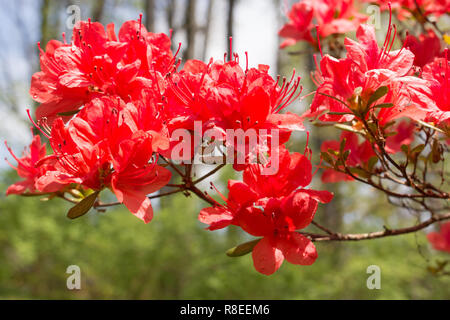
[174, 258]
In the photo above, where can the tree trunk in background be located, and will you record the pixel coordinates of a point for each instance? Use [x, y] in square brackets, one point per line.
[281, 54]
[150, 15]
[231, 5]
[170, 13]
[191, 29]
[45, 8]
[97, 10]
[206, 28]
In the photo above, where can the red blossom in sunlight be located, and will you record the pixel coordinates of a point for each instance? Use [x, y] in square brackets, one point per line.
[103, 148]
[441, 240]
[224, 96]
[332, 17]
[346, 85]
[119, 110]
[272, 207]
[98, 63]
[438, 75]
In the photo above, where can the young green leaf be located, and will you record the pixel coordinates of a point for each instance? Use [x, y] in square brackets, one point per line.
[242, 249]
[82, 207]
[383, 105]
[380, 92]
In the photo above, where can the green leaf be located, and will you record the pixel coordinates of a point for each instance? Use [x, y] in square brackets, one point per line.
[347, 128]
[346, 154]
[405, 149]
[334, 98]
[418, 149]
[242, 249]
[380, 92]
[372, 162]
[342, 145]
[360, 172]
[339, 113]
[68, 113]
[82, 207]
[327, 158]
[333, 152]
[383, 105]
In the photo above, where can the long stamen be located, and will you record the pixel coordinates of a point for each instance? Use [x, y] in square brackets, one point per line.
[37, 127]
[178, 50]
[393, 38]
[10, 164]
[318, 41]
[307, 142]
[140, 24]
[231, 48]
[318, 167]
[13, 155]
[45, 126]
[401, 49]
[217, 190]
[388, 33]
[246, 61]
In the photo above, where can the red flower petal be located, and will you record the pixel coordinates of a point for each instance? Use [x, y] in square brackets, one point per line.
[298, 249]
[267, 258]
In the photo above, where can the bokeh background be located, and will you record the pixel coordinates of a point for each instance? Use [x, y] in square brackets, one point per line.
[173, 257]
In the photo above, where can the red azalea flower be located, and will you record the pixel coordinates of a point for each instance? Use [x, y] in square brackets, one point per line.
[152, 49]
[273, 212]
[441, 240]
[136, 175]
[186, 96]
[438, 75]
[366, 69]
[360, 154]
[96, 63]
[251, 100]
[332, 16]
[27, 167]
[425, 48]
[224, 96]
[276, 219]
[102, 147]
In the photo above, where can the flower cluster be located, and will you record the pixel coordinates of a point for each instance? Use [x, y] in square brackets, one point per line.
[333, 16]
[273, 208]
[112, 105]
[384, 84]
[121, 112]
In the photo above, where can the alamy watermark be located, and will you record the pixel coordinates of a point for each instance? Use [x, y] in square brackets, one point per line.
[74, 16]
[374, 280]
[374, 16]
[74, 280]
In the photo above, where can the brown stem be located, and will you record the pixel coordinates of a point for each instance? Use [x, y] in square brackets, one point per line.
[377, 234]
